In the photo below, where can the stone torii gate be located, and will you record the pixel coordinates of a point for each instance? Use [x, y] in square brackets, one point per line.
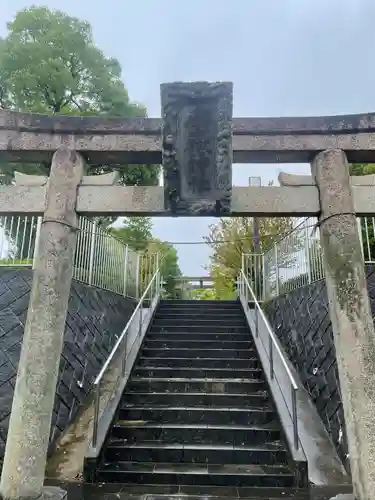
[196, 140]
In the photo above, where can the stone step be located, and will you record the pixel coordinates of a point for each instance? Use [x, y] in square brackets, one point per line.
[188, 474]
[198, 344]
[199, 320]
[198, 399]
[269, 454]
[202, 373]
[205, 363]
[225, 315]
[191, 336]
[219, 328]
[197, 385]
[199, 303]
[198, 415]
[175, 492]
[197, 353]
[236, 435]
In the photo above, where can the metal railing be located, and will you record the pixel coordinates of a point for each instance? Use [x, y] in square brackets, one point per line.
[100, 259]
[277, 363]
[297, 259]
[119, 363]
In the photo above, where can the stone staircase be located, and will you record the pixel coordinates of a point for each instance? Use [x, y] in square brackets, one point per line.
[196, 416]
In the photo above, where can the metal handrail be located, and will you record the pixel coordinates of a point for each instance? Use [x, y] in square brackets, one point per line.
[271, 334]
[273, 347]
[155, 281]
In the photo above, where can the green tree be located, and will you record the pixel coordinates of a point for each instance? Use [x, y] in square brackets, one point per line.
[362, 169]
[168, 265]
[50, 64]
[230, 238]
[203, 294]
[135, 232]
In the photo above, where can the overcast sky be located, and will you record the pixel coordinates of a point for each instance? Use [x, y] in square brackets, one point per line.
[285, 57]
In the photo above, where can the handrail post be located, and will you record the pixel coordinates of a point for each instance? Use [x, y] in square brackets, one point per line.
[294, 411]
[277, 270]
[96, 416]
[92, 247]
[37, 237]
[125, 355]
[263, 279]
[126, 256]
[307, 250]
[359, 225]
[137, 277]
[140, 320]
[271, 356]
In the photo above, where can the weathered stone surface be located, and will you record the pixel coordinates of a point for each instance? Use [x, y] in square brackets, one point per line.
[32, 138]
[91, 125]
[141, 200]
[286, 179]
[38, 367]
[95, 319]
[350, 313]
[197, 147]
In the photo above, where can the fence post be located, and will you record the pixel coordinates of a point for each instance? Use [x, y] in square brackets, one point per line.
[359, 225]
[126, 256]
[156, 280]
[34, 394]
[350, 313]
[263, 279]
[137, 280]
[92, 248]
[277, 270]
[307, 249]
[37, 238]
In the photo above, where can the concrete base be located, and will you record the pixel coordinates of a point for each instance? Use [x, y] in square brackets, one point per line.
[48, 493]
[331, 493]
[343, 497]
[53, 493]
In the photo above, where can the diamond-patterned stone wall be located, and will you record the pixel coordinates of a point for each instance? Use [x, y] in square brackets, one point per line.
[95, 319]
[301, 321]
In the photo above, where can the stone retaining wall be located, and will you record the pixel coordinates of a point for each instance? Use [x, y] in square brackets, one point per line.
[95, 319]
[301, 321]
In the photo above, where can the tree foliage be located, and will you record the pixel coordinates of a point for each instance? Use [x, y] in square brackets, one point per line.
[137, 233]
[362, 168]
[203, 294]
[168, 264]
[50, 64]
[229, 238]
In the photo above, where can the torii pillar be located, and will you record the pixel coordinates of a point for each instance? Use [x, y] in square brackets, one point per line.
[30, 421]
[350, 313]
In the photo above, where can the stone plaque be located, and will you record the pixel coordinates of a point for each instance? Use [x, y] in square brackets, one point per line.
[197, 147]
